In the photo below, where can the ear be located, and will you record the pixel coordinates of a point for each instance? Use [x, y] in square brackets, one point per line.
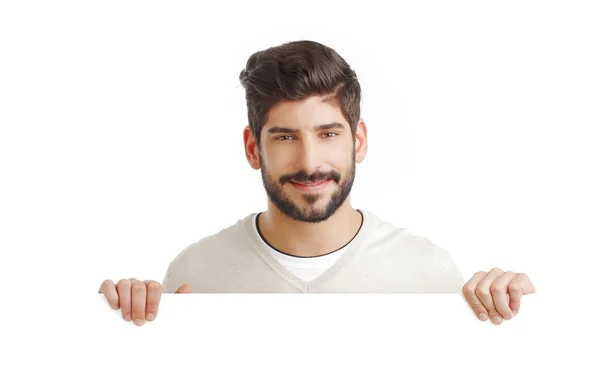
[251, 148]
[361, 145]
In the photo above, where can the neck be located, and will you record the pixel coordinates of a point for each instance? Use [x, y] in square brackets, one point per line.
[309, 239]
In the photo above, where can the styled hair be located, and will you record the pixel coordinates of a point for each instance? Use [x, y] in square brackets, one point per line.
[295, 71]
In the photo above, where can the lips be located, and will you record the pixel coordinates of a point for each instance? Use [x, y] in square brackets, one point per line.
[310, 184]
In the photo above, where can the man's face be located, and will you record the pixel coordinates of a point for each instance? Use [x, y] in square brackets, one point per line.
[307, 156]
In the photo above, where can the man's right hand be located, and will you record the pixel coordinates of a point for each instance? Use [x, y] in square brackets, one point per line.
[137, 300]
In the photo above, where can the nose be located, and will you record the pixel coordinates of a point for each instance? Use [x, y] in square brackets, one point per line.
[309, 157]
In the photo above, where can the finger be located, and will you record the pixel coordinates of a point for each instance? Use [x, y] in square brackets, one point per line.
[152, 299]
[485, 296]
[124, 291]
[138, 302]
[110, 293]
[468, 291]
[518, 287]
[500, 294]
[528, 287]
[184, 288]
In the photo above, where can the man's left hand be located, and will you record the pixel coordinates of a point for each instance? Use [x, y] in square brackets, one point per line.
[497, 294]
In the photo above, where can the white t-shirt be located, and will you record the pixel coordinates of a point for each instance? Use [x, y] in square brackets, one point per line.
[306, 268]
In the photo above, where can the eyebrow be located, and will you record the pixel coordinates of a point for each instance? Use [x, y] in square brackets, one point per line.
[287, 130]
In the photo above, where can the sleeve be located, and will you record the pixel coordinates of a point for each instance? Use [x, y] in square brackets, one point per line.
[450, 279]
[177, 272]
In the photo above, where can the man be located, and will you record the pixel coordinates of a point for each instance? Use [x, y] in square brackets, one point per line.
[305, 134]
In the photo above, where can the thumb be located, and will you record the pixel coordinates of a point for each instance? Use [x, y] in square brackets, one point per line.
[184, 288]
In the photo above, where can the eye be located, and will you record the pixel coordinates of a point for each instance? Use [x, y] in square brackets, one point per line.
[329, 134]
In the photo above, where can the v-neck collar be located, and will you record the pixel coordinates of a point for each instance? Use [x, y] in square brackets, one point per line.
[290, 277]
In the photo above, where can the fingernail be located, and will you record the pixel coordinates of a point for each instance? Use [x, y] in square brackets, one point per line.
[482, 317]
[515, 313]
[128, 317]
[139, 322]
[150, 316]
[497, 320]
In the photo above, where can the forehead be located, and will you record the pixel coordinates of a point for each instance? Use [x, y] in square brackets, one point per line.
[304, 114]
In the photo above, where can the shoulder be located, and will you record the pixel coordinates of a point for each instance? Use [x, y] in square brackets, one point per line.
[413, 262]
[385, 236]
[206, 253]
[222, 242]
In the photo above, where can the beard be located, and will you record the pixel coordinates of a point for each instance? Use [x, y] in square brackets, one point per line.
[309, 211]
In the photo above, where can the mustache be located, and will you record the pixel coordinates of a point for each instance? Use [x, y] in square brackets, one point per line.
[303, 177]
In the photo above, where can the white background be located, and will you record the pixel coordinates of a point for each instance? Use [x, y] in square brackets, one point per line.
[121, 143]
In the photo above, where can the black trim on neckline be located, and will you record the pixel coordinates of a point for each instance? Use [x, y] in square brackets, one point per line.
[309, 257]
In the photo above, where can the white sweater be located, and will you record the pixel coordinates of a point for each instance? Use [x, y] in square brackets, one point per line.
[380, 259]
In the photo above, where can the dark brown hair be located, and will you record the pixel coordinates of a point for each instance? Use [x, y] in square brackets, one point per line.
[295, 71]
